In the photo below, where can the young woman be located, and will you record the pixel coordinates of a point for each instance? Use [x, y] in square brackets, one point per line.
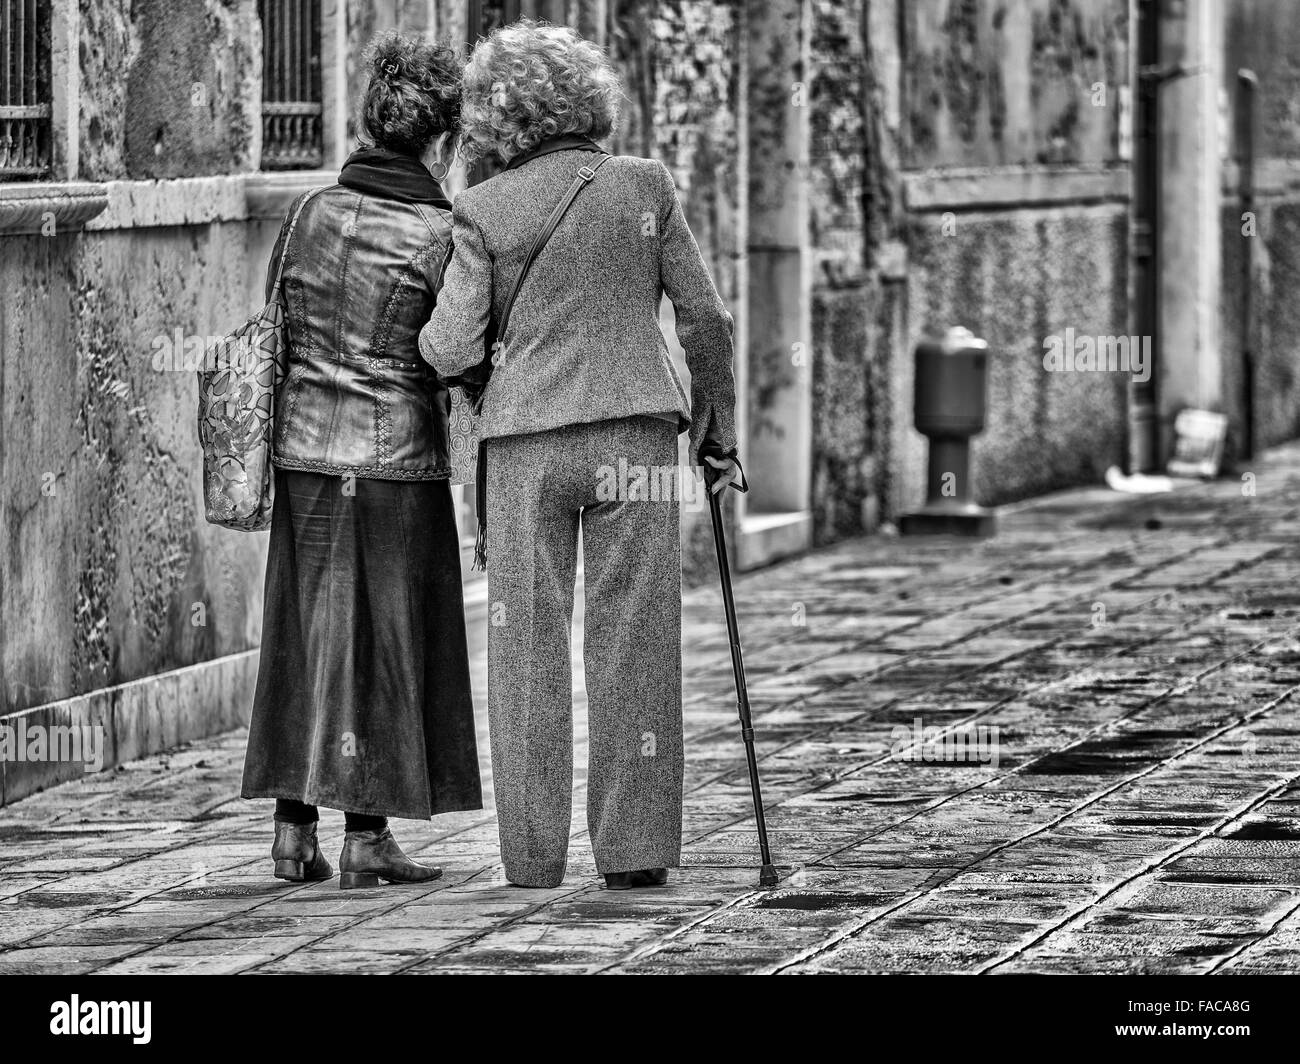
[584, 380]
[363, 692]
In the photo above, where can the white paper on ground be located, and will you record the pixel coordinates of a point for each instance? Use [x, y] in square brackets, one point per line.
[1137, 484]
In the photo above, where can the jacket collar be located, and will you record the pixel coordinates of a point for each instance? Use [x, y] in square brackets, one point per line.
[391, 175]
[566, 142]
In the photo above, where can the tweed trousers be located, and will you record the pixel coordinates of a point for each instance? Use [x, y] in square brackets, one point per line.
[542, 488]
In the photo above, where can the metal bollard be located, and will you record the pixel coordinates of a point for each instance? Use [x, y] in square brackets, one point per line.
[951, 398]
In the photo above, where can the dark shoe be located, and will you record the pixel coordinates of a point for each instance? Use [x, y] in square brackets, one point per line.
[650, 877]
[369, 856]
[645, 877]
[297, 855]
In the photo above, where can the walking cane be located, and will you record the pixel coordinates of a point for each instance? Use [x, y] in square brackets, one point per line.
[767, 876]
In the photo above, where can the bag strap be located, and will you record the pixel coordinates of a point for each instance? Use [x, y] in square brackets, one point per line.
[584, 178]
[293, 224]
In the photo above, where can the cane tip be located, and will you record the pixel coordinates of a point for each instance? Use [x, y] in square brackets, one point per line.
[767, 876]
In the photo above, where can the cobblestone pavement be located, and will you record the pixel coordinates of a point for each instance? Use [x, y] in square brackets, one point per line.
[1133, 664]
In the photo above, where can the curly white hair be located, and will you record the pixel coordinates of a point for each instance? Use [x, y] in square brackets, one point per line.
[530, 81]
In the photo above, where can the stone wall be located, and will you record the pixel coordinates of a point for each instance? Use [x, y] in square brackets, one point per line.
[1001, 82]
[169, 89]
[1262, 35]
[1014, 279]
[997, 91]
[119, 604]
[110, 571]
[848, 357]
[925, 90]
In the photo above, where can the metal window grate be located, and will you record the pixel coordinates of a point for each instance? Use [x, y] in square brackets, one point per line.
[24, 89]
[292, 127]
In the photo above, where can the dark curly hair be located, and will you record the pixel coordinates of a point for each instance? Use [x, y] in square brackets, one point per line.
[413, 94]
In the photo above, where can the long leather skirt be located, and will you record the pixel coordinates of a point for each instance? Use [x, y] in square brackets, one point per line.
[363, 696]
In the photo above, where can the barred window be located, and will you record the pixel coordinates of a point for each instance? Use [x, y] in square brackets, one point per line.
[292, 124]
[24, 89]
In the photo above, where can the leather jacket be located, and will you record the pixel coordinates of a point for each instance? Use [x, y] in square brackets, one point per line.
[360, 279]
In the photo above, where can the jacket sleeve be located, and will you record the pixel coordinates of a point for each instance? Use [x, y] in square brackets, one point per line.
[452, 340]
[704, 327]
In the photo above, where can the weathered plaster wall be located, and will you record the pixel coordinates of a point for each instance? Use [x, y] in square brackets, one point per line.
[1262, 35]
[947, 84]
[998, 82]
[169, 89]
[837, 102]
[694, 123]
[107, 559]
[1011, 83]
[1014, 279]
[109, 45]
[107, 563]
[850, 351]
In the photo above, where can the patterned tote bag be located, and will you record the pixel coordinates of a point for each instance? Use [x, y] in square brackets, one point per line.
[463, 431]
[237, 387]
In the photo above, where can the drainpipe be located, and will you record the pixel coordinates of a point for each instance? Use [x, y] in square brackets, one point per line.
[1143, 427]
[1249, 86]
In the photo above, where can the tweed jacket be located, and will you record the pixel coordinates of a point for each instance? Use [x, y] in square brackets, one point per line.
[359, 282]
[583, 343]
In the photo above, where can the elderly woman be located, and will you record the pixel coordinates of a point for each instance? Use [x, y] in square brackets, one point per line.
[582, 380]
[363, 693]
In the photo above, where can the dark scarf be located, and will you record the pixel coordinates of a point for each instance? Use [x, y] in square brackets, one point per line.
[392, 175]
[564, 142]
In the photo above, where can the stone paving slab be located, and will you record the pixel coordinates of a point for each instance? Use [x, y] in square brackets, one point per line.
[1134, 664]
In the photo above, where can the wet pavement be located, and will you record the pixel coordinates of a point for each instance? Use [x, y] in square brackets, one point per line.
[1073, 748]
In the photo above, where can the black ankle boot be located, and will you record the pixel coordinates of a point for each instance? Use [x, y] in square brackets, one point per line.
[297, 855]
[369, 856]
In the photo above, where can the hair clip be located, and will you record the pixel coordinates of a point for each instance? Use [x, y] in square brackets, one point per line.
[391, 68]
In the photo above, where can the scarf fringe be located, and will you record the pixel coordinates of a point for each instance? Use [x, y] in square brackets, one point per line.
[480, 550]
[480, 506]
